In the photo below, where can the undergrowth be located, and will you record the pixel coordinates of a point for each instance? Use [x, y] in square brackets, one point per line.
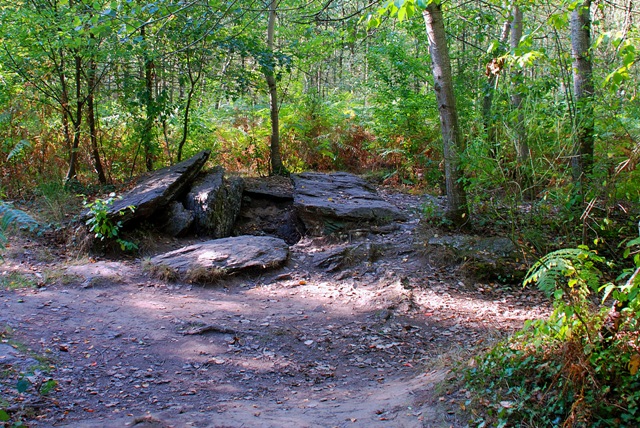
[579, 367]
[22, 389]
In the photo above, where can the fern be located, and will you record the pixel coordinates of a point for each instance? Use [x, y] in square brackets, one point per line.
[568, 266]
[10, 216]
[18, 149]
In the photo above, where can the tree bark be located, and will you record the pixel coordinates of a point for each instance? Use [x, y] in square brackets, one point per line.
[147, 137]
[193, 81]
[64, 104]
[456, 211]
[76, 121]
[277, 167]
[522, 148]
[91, 119]
[582, 160]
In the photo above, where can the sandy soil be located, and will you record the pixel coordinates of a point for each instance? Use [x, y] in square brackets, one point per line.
[334, 339]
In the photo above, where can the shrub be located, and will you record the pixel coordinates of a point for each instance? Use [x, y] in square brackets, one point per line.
[580, 366]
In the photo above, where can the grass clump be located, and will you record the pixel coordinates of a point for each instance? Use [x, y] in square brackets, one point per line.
[161, 271]
[14, 280]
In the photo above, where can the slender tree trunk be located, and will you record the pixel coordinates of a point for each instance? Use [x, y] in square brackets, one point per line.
[193, 81]
[457, 211]
[91, 120]
[522, 148]
[493, 73]
[582, 161]
[277, 167]
[147, 131]
[64, 104]
[77, 122]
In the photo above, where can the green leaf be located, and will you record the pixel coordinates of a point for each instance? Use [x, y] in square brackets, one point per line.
[493, 46]
[633, 242]
[402, 14]
[4, 416]
[48, 386]
[22, 385]
[559, 21]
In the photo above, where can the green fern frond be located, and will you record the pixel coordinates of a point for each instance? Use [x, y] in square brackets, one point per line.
[18, 149]
[564, 266]
[10, 216]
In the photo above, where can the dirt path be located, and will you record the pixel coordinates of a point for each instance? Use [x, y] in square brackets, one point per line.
[335, 339]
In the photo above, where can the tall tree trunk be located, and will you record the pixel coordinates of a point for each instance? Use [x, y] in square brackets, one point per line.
[277, 167]
[522, 148]
[64, 103]
[77, 122]
[147, 131]
[582, 161]
[91, 120]
[193, 81]
[523, 172]
[456, 211]
[493, 73]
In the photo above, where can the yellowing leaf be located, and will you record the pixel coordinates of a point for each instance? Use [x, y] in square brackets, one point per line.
[634, 364]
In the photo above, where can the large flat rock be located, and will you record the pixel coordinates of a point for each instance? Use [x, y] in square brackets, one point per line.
[158, 189]
[340, 201]
[212, 259]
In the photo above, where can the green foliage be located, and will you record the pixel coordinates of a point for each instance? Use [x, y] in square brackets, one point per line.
[16, 386]
[579, 367]
[101, 224]
[9, 217]
[16, 280]
[565, 269]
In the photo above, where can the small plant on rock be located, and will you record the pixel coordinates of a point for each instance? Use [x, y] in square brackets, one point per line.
[102, 225]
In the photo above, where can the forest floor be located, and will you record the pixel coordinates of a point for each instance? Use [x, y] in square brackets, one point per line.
[364, 343]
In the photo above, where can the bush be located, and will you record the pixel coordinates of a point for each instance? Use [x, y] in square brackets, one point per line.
[577, 368]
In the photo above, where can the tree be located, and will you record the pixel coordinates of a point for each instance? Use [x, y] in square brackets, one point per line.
[522, 148]
[457, 211]
[269, 70]
[582, 160]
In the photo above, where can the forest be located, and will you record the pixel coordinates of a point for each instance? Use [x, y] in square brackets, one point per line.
[522, 116]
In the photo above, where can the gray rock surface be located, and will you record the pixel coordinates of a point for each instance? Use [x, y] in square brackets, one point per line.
[215, 202]
[158, 189]
[275, 187]
[8, 354]
[493, 257]
[11, 357]
[328, 203]
[176, 220]
[209, 260]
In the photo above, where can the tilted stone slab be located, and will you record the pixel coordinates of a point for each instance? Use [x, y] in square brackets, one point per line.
[340, 201]
[218, 257]
[158, 189]
[215, 202]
